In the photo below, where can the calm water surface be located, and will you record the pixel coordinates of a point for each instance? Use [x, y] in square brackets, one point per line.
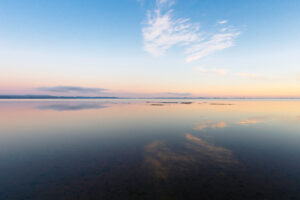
[149, 149]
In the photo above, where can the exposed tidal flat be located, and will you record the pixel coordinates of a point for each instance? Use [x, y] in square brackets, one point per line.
[149, 149]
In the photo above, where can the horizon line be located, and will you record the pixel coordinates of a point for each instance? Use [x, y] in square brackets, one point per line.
[115, 97]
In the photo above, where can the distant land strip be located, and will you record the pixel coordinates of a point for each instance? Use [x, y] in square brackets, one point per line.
[51, 97]
[100, 97]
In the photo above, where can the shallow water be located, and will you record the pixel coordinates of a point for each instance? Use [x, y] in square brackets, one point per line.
[149, 149]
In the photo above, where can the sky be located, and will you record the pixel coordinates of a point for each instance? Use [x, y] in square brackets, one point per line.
[150, 48]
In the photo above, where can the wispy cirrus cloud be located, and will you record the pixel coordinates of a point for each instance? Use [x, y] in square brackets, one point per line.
[203, 70]
[162, 31]
[67, 89]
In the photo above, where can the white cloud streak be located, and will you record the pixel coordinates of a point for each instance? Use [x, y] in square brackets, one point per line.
[216, 43]
[222, 21]
[162, 31]
[203, 70]
[67, 89]
[251, 75]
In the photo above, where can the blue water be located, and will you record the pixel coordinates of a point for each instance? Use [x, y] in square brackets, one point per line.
[149, 149]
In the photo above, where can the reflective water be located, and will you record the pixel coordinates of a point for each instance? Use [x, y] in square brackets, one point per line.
[149, 149]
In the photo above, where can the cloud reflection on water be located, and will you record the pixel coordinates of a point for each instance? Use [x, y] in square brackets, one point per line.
[71, 106]
[204, 125]
[249, 121]
[218, 155]
[221, 104]
[165, 161]
[253, 120]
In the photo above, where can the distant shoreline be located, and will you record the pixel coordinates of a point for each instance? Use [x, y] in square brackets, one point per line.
[87, 97]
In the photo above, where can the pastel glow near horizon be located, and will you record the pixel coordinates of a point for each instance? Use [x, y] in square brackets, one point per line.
[150, 48]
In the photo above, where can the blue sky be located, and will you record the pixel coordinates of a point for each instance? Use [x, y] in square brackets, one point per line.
[151, 47]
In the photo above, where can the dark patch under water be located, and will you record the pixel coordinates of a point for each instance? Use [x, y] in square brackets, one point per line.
[137, 151]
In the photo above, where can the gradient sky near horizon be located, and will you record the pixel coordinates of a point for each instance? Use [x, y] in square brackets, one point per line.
[150, 48]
